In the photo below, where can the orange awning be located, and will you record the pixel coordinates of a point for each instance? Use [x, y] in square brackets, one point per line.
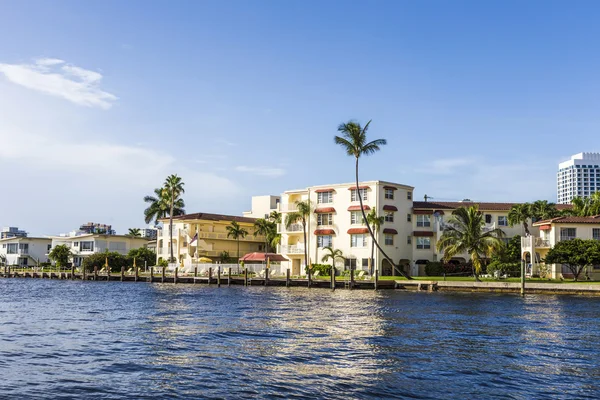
[324, 210]
[357, 208]
[324, 190]
[324, 232]
[545, 227]
[354, 231]
[390, 208]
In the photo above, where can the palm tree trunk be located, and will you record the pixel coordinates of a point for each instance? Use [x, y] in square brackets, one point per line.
[371, 231]
[305, 248]
[171, 227]
[238, 252]
[372, 254]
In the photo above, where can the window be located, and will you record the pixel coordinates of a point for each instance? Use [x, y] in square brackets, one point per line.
[389, 194]
[596, 234]
[86, 246]
[408, 195]
[502, 220]
[389, 216]
[324, 241]
[568, 233]
[365, 263]
[12, 248]
[354, 197]
[408, 240]
[356, 218]
[325, 197]
[358, 240]
[408, 217]
[350, 263]
[325, 219]
[49, 247]
[423, 220]
[423, 243]
[24, 248]
[75, 244]
[389, 240]
[488, 218]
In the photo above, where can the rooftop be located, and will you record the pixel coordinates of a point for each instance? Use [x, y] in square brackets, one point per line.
[211, 217]
[570, 220]
[483, 206]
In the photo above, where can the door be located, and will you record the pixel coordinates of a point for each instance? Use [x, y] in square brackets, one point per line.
[296, 266]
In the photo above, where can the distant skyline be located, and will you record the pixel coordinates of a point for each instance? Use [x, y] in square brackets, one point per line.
[101, 100]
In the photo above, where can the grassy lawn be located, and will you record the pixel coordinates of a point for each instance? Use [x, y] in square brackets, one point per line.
[471, 279]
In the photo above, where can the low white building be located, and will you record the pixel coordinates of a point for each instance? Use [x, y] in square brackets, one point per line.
[25, 251]
[87, 244]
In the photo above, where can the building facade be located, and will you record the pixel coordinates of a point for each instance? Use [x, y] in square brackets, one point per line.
[84, 245]
[93, 227]
[579, 176]
[263, 206]
[25, 251]
[12, 232]
[337, 222]
[212, 239]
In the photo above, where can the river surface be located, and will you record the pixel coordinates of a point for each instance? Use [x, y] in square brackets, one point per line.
[73, 339]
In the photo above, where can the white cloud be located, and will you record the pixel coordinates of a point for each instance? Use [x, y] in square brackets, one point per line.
[54, 77]
[262, 171]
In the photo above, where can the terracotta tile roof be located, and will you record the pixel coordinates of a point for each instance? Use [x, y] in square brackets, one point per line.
[212, 217]
[390, 231]
[569, 220]
[422, 233]
[352, 231]
[388, 207]
[357, 208]
[483, 206]
[324, 232]
[325, 210]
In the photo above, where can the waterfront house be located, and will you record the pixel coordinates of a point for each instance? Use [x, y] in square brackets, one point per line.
[25, 251]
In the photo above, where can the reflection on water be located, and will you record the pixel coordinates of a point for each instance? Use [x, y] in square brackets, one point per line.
[62, 339]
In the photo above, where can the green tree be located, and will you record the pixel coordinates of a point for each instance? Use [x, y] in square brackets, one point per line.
[375, 222]
[576, 254]
[542, 209]
[143, 256]
[60, 255]
[135, 232]
[302, 214]
[584, 206]
[224, 257]
[275, 216]
[465, 233]
[174, 188]
[354, 142]
[265, 228]
[159, 206]
[520, 214]
[333, 255]
[115, 261]
[235, 231]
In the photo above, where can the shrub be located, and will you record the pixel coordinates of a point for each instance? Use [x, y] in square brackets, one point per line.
[115, 261]
[434, 268]
[324, 269]
[497, 268]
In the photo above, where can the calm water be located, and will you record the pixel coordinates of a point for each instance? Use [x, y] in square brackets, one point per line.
[61, 340]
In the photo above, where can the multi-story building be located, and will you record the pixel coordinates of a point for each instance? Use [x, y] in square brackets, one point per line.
[579, 176]
[93, 227]
[149, 233]
[24, 251]
[337, 222]
[212, 239]
[12, 232]
[263, 206]
[86, 244]
[555, 230]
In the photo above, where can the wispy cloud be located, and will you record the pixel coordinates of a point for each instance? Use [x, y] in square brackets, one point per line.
[55, 77]
[262, 171]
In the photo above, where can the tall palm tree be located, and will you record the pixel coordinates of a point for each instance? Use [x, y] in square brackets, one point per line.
[302, 215]
[235, 231]
[264, 228]
[375, 222]
[135, 232]
[354, 141]
[542, 209]
[465, 233]
[582, 207]
[520, 214]
[595, 203]
[174, 188]
[334, 255]
[159, 206]
[275, 216]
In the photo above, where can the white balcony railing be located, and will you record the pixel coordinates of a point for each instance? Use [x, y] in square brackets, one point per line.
[291, 249]
[542, 243]
[291, 228]
[288, 207]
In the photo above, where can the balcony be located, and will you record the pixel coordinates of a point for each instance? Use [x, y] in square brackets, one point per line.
[542, 243]
[293, 228]
[291, 249]
[538, 242]
[288, 207]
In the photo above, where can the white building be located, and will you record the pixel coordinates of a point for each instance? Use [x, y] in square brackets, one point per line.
[337, 222]
[91, 243]
[579, 176]
[149, 233]
[11, 232]
[24, 251]
[262, 206]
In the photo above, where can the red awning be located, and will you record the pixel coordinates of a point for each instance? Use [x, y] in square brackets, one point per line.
[422, 233]
[324, 210]
[324, 232]
[360, 187]
[423, 212]
[545, 227]
[390, 187]
[357, 208]
[390, 231]
[353, 231]
[390, 208]
[263, 257]
[324, 190]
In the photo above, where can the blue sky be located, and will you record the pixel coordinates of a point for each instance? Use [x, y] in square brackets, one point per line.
[100, 100]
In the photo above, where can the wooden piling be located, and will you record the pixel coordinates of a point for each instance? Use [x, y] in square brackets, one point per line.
[309, 277]
[195, 272]
[246, 276]
[332, 278]
[83, 274]
[176, 274]
[164, 269]
[95, 273]
[137, 273]
[219, 276]
[267, 271]
[151, 274]
[287, 277]
[122, 274]
[229, 277]
[209, 275]
[72, 272]
[376, 278]
[351, 278]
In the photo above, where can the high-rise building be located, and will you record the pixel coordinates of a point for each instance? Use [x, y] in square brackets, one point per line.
[579, 176]
[12, 232]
